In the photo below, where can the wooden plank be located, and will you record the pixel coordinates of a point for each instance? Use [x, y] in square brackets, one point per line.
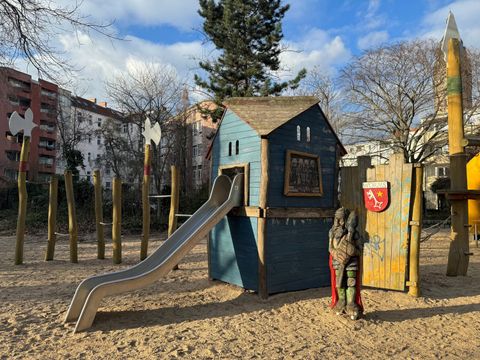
[246, 211]
[407, 204]
[261, 237]
[305, 213]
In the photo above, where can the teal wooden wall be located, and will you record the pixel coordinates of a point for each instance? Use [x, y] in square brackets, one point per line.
[231, 130]
[297, 254]
[323, 143]
[233, 252]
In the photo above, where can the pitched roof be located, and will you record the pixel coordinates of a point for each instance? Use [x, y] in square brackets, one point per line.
[265, 114]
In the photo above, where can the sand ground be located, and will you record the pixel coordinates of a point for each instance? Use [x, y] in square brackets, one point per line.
[186, 316]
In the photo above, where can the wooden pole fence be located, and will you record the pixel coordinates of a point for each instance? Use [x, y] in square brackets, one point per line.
[146, 203]
[117, 220]
[52, 218]
[174, 202]
[97, 184]
[22, 200]
[72, 217]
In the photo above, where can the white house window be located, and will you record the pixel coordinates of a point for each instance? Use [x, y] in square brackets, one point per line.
[441, 171]
[308, 134]
[89, 156]
[99, 140]
[299, 133]
[99, 122]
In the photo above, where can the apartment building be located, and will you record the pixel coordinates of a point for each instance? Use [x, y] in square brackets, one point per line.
[18, 92]
[200, 132]
[83, 119]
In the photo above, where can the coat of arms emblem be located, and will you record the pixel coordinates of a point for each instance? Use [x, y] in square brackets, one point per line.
[375, 195]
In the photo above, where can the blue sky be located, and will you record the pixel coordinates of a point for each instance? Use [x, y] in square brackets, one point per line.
[323, 33]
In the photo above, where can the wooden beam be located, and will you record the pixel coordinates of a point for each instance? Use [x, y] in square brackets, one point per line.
[97, 185]
[248, 211]
[22, 200]
[117, 220]
[72, 217]
[306, 213]
[416, 230]
[52, 218]
[146, 203]
[262, 222]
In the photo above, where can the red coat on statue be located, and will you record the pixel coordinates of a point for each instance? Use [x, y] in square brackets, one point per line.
[333, 281]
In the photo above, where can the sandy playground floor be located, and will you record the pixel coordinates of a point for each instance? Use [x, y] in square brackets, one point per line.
[186, 316]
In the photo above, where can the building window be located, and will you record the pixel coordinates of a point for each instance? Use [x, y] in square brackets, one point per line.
[125, 128]
[195, 151]
[107, 185]
[99, 122]
[237, 147]
[107, 171]
[229, 149]
[299, 133]
[88, 175]
[441, 171]
[89, 138]
[308, 134]
[89, 156]
[99, 140]
[90, 122]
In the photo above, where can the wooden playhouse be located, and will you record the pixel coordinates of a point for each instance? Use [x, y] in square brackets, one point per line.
[289, 154]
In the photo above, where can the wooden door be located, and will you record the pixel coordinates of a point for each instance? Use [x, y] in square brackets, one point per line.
[386, 234]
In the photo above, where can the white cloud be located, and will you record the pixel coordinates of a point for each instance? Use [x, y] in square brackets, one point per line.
[466, 15]
[317, 48]
[372, 39]
[101, 59]
[179, 14]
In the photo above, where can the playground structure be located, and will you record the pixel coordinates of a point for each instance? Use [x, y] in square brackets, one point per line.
[224, 196]
[275, 161]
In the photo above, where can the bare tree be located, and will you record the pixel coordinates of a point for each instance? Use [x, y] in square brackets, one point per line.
[28, 29]
[330, 95]
[71, 129]
[155, 91]
[391, 91]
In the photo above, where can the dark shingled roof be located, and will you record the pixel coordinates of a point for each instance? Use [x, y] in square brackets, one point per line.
[265, 114]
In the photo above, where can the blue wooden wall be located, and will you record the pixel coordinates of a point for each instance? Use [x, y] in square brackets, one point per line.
[231, 130]
[297, 254]
[233, 252]
[323, 143]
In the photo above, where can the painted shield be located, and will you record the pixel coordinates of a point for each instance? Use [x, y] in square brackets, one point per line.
[375, 195]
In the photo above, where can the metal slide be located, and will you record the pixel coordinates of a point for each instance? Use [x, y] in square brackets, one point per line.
[225, 195]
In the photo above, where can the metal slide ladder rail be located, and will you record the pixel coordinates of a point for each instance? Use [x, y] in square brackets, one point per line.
[225, 195]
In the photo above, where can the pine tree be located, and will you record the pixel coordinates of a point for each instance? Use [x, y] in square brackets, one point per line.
[247, 34]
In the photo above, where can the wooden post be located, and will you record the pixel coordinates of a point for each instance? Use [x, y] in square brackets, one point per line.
[22, 200]
[52, 218]
[174, 202]
[416, 229]
[72, 217]
[117, 220]
[97, 184]
[262, 221]
[146, 202]
[459, 246]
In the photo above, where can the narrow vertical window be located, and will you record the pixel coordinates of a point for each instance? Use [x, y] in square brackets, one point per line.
[299, 133]
[237, 147]
[229, 149]
[308, 134]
